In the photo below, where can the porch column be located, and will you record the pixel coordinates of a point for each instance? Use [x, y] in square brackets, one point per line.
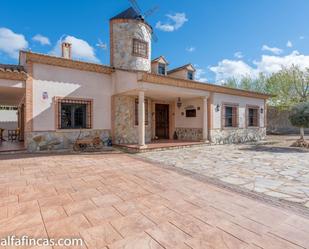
[205, 121]
[141, 119]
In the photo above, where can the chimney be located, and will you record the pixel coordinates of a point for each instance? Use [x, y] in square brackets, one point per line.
[66, 50]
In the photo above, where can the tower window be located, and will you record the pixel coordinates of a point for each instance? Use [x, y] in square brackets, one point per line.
[161, 69]
[140, 48]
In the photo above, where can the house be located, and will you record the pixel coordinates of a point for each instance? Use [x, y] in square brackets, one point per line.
[133, 100]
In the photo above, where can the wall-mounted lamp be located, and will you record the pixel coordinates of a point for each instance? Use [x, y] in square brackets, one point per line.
[262, 110]
[179, 103]
[217, 108]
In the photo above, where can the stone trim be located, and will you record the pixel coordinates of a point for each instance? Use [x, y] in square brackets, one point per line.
[189, 134]
[172, 81]
[68, 63]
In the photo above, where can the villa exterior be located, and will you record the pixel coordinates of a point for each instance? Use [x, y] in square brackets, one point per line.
[133, 100]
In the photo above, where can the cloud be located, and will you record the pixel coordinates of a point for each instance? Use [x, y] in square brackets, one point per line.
[268, 64]
[274, 50]
[289, 44]
[11, 43]
[190, 49]
[173, 23]
[238, 55]
[200, 74]
[43, 40]
[301, 37]
[231, 69]
[81, 50]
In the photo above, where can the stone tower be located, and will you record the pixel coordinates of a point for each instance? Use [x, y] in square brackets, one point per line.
[130, 41]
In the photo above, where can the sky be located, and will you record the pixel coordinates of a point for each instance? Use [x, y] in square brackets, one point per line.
[221, 38]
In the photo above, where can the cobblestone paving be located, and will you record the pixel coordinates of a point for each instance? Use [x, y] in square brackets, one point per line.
[281, 172]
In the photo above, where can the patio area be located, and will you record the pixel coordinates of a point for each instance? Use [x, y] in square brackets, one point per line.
[273, 169]
[116, 201]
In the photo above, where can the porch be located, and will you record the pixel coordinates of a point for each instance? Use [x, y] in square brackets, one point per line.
[157, 117]
[12, 93]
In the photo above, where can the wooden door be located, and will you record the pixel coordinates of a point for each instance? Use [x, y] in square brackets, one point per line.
[162, 121]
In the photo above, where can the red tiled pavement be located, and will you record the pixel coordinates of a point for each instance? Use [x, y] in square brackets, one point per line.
[116, 201]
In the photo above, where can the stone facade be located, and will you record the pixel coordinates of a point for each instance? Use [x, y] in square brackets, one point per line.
[59, 140]
[194, 134]
[228, 136]
[125, 130]
[122, 35]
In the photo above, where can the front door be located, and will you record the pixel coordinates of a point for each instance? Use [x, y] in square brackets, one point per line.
[162, 121]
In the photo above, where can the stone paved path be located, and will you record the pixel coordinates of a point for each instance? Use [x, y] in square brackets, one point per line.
[279, 172]
[114, 201]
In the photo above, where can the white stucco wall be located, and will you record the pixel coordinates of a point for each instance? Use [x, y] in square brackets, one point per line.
[181, 121]
[241, 101]
[65, 82]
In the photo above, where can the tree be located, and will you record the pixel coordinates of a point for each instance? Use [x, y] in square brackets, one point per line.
[299, 117]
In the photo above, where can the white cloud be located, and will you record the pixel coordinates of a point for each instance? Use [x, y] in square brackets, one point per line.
[231, 69]
[301, 37]
[11, 43]
[268, 64]
[43, 40]
[81, 50]
[238, 55]
[200, 74]
[173, 23]
[289, 44]
[273, 50]
[190, 49]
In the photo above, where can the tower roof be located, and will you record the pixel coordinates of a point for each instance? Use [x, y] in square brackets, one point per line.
[130, 13]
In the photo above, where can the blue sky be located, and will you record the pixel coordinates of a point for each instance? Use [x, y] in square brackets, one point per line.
[222, 38]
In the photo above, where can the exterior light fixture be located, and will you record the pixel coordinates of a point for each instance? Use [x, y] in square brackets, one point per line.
[262, 110]
[217, 108]
[179, 103]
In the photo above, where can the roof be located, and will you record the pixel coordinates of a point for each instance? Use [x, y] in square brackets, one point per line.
[130, 14]
[12, 68]
[12, 72]
[158, 58]
[64, 62]
[180, 68]
[172, 81]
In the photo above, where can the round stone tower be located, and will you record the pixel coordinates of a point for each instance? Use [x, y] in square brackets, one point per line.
[130, 42]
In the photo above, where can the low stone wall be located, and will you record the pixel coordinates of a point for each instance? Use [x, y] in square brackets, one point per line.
[228, 136]
[126, 132]
[59, 140]
[194, 134]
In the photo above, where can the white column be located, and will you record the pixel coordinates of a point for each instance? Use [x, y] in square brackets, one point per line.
[141, 119]
[205, 121]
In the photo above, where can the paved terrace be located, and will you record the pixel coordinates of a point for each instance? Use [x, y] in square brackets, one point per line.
[116, 201]
[275, 170]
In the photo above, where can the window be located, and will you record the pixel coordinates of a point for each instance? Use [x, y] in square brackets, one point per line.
[74, 114]
[230, 116]
[140, 48]
[191, 113]
[190, 75]
[136, 111]
[253, 116]
[161, 68]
